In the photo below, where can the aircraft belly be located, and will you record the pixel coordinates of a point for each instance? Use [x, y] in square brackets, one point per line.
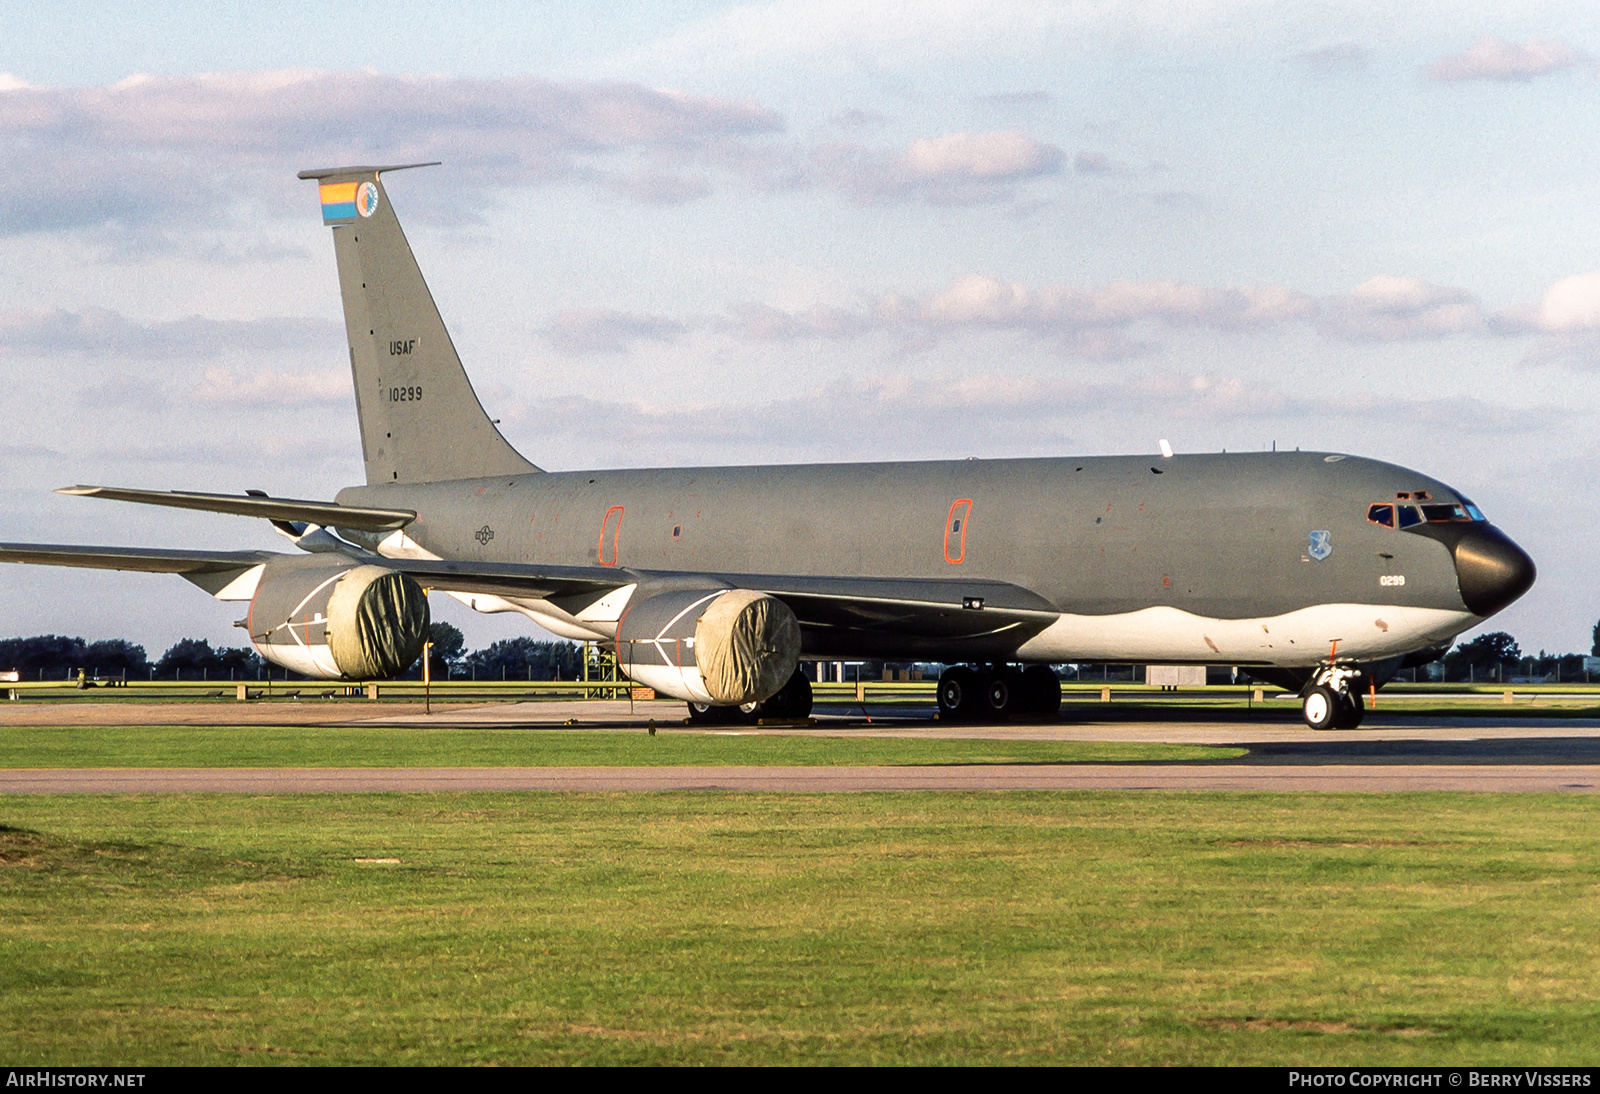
[1300, 637]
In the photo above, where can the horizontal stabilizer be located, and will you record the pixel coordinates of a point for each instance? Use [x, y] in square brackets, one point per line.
[325, 513]
[365, 169]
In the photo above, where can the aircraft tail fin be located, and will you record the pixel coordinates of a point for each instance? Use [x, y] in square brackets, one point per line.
[420, 419]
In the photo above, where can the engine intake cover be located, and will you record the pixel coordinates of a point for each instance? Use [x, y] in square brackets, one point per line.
[326, 618]
[377, 623]
[722, 646]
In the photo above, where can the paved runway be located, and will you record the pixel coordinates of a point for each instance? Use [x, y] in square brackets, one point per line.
[1391, 752]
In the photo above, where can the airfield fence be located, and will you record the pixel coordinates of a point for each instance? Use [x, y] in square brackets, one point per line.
[1568, 699]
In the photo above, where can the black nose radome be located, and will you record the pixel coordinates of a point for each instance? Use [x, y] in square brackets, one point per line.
[1491, 570]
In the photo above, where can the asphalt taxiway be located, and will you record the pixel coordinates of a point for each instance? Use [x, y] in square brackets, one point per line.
[1392, 752]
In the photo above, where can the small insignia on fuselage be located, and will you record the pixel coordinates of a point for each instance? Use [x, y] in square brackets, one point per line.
[366, 199]
[1320, 545]
[484, 535]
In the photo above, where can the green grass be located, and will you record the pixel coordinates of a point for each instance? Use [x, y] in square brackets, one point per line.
[364, 746]
[745, 928]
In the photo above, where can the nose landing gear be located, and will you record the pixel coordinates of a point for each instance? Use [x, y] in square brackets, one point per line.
[1329, 702]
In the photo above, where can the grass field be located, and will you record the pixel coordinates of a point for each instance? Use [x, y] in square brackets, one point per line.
[339, 746]
[740, 928]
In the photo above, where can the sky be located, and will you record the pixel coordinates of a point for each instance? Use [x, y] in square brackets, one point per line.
[708, 233]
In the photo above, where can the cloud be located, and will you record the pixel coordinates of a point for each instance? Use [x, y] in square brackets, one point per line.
[1091, 323]
[1069, 310]
[1004, 155]
[911, 415]
[764, 323]
[600, 330]
[1107, 322]
[1571, 304]
[1328, 60]
[1490, 58]
[1391, 309]
[272, 388]
[152, 157]
[101, 333]
[161, 147]
[857, 119]
[1015, 98]
[954, 169]
[1568, 317]
[1095, 163]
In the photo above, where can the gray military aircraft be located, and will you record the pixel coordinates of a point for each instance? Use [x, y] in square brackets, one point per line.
[1320, 572]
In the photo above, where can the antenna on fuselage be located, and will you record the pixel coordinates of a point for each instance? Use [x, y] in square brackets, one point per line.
[1166, 449]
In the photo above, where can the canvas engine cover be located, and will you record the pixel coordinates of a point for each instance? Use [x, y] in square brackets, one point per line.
[328, 619]
[726, 647]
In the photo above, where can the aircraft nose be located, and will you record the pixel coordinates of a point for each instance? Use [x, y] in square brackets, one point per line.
[1491, 570]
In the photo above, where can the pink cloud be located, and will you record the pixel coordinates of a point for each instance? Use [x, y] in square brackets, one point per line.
[1489, 58]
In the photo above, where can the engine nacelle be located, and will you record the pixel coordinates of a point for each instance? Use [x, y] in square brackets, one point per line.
[327, 617]
[721, 646]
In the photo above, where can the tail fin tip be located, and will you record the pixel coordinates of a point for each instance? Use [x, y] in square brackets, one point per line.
[377, 169]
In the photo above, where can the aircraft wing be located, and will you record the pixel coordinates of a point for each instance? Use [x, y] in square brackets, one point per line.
[142, 559]
[854, 616]
[848, 616]
[511, 578]
[851, 615]
[213, 571]
[216, 568]
[325, 513]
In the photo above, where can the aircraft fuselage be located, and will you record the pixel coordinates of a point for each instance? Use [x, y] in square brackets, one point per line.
[1196, 558]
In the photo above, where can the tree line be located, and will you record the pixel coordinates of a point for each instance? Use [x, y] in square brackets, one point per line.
[1492, 656]
[58, 657]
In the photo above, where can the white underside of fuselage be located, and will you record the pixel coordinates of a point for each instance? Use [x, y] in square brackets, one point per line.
[1301, 638]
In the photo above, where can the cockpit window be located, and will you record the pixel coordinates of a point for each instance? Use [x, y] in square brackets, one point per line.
[1391, 515]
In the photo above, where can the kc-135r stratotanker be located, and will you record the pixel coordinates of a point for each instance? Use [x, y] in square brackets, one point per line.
[1320, 572]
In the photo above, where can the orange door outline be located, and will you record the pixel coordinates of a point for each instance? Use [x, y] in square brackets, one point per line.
[616, 530]
[956, 525]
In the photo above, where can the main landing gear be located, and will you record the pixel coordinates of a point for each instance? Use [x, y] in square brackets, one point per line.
[1329, 702]
[1009, 692]
[792, 703]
